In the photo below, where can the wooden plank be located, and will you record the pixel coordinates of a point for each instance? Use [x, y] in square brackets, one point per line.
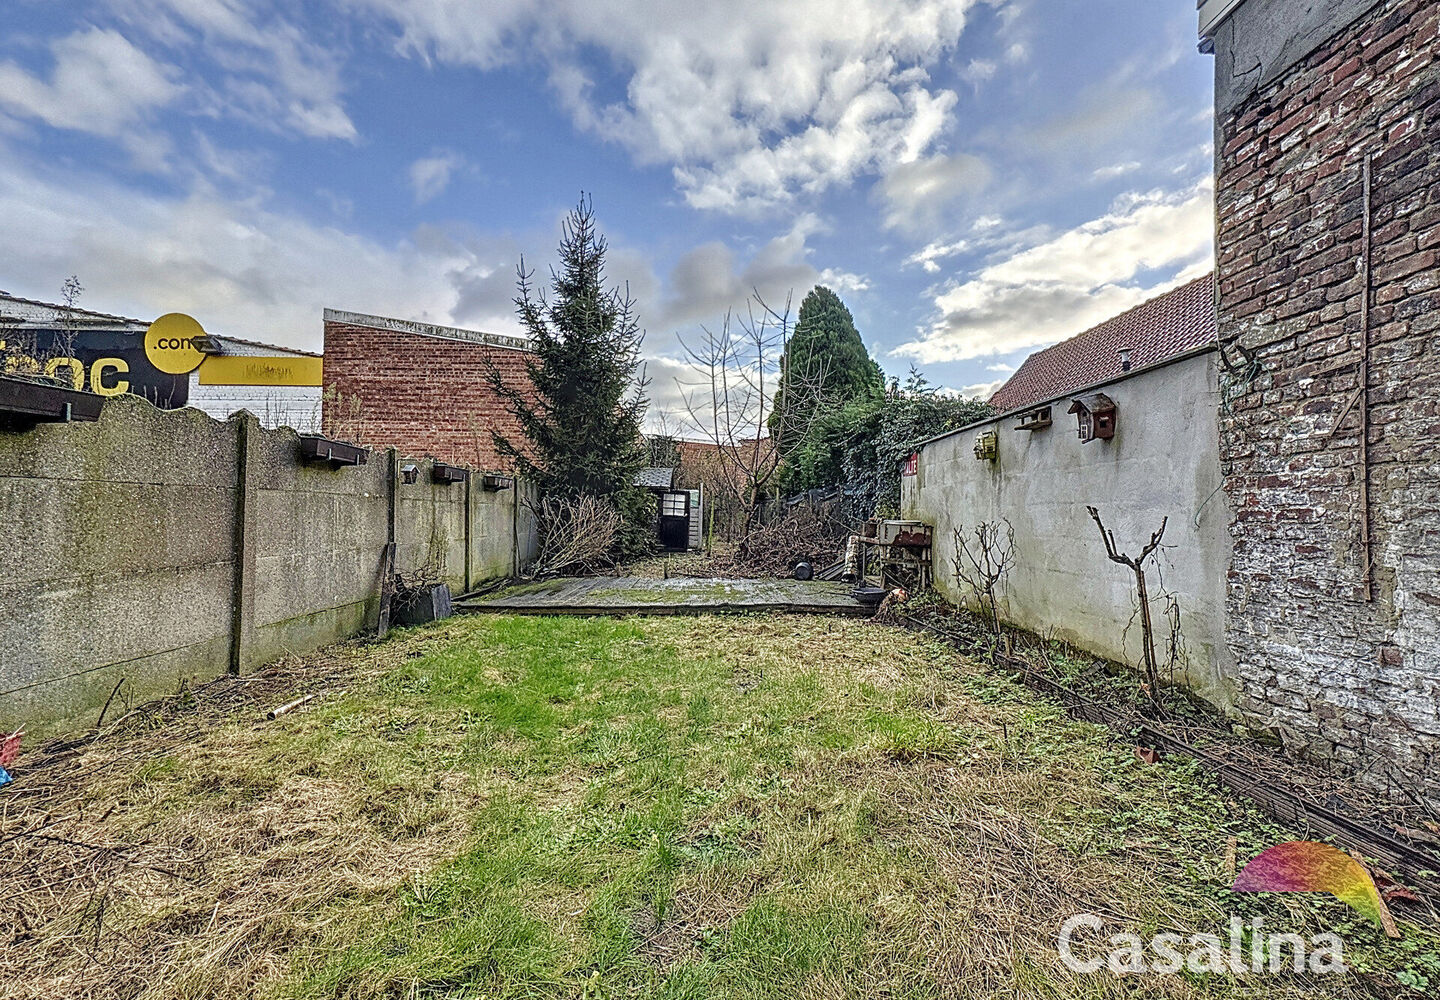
[387, 588]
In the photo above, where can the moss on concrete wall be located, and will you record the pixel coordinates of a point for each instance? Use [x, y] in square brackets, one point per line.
[126, 550]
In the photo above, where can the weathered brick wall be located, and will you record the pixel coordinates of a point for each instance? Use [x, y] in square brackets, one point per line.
[1332, 673]
[425, 395]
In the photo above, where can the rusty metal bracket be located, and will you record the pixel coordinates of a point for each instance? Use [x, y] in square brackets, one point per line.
[1350, 405]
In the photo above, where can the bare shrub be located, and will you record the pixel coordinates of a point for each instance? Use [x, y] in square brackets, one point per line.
[575, 534]
[341, 416]
[981, 562]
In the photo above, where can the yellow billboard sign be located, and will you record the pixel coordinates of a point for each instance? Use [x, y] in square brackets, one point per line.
[170, 344]
[234, 369]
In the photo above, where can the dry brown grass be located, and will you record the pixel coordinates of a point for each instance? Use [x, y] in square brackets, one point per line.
[111, 893]
[866, 814]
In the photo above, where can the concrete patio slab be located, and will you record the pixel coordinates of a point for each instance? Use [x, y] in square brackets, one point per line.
[609, 595]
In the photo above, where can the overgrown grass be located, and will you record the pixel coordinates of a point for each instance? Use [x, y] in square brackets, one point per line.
[742, 807]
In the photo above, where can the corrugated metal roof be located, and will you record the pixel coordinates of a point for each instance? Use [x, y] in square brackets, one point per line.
[34, 313]
[1152, 332]
[655, 478]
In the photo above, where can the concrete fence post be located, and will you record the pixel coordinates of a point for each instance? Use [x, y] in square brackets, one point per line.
[468, 539]
[242, 612]
[392, 492]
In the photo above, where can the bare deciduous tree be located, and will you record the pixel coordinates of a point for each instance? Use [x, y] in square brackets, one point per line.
[729, 400]
[981, 563]
[1137, 566]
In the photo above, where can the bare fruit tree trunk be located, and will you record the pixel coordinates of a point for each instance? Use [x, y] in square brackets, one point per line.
[1137, 566]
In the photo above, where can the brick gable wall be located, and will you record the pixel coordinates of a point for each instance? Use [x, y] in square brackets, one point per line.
[424, 395]
[1334, 674]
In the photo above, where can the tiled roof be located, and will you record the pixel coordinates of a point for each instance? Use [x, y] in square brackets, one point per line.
[655, 478]
[1153, 331]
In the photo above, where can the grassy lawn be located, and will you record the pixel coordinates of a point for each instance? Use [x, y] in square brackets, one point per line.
[681, 807]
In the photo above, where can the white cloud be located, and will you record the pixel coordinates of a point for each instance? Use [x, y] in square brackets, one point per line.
[430, 175]
[929, 256]
[1116, 170]
[843, 281]
[917, 194]
[708, 280]
[979, 390]
[266, 71]
[101, 83]
[751, 103]
[236, 265]
[979, 70]
[1070, 283]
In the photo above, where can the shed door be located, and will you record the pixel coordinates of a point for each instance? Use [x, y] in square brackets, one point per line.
[675, 520]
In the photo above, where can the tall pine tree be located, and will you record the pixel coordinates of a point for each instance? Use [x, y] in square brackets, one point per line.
[581, 413]
[825, 365]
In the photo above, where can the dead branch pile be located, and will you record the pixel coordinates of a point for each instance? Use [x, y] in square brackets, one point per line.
[802, 533]
[576, 534]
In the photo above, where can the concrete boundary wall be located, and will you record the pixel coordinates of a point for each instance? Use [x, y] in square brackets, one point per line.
[1163, 462]
[166, 547]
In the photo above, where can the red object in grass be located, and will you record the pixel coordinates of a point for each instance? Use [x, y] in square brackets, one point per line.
[10, 748]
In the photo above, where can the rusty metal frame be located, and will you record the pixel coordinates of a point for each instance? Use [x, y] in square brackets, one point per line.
[25, 403]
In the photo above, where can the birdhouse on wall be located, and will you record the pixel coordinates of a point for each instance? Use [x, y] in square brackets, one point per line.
[1035, 420]
[987, 446]
[1095, 415]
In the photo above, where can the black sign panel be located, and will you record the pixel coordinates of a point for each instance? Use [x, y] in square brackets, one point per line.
[109, 362]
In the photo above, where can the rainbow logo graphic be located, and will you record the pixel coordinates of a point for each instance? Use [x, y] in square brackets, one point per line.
[1305, 866]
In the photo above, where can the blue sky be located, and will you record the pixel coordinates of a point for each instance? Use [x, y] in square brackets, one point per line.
[976, 178]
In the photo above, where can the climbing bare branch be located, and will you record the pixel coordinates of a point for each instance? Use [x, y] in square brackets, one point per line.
[1137, 566]
[981, 562]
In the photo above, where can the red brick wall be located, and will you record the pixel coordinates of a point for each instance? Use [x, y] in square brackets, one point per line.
[1329, 671]
[424, 395]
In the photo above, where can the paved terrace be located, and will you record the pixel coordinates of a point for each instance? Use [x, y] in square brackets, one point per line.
[609, 595]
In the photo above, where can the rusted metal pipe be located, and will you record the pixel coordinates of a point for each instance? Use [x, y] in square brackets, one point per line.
[1367, 566]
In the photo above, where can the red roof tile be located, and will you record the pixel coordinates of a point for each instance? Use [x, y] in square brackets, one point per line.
[1154, 331]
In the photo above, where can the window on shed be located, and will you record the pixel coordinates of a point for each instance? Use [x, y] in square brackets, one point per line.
[674, 505]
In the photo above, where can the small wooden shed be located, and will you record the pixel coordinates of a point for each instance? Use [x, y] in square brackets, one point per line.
[679, 514]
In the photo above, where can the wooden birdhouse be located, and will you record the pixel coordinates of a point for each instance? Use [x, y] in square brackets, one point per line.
[1035, 420]
[987, 446]
[1095, 415]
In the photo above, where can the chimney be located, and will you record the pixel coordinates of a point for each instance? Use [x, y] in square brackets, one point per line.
[1124, 359]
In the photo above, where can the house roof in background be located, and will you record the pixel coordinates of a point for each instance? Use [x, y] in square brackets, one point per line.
[1154, 331]
[655, 478]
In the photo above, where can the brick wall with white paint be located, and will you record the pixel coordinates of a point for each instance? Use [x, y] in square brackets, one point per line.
[1333, 674]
